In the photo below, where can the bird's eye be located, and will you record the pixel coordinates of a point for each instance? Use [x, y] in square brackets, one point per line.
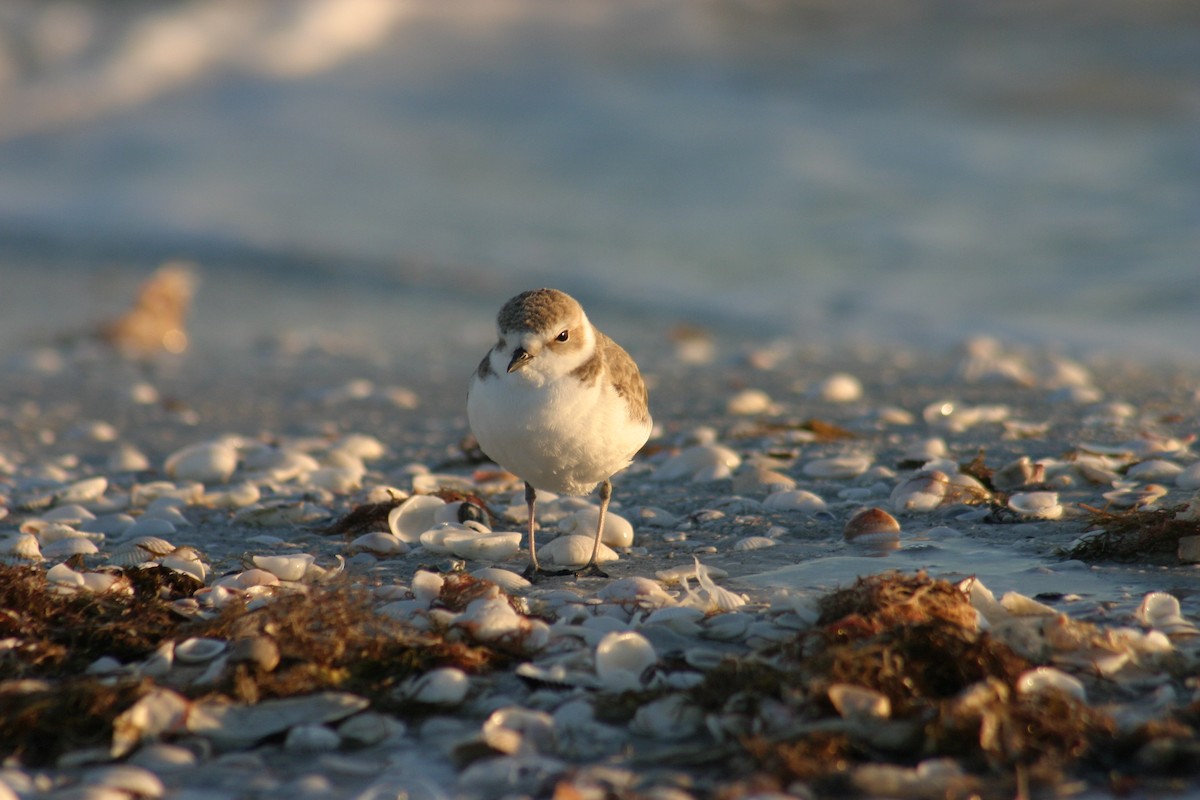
[562, 337]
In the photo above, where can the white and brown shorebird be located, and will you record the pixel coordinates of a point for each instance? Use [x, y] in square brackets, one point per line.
[559, 404]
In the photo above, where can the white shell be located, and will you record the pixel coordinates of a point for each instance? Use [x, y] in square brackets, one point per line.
[125, 780]
[286, 568]
[506, 579]
[305, 739]
[198, 650]
[859, 703]
[519, 731]
[233, 726]
[21, 547]
[924, 491]
[445, 686]
[1036, 505]
[361, 446]
[187, 561]
[1189, 478]
[699, 462]
[840, 387]
[668, 718]
[621, 659]
[837, 467]
[148, 527]
[378, 543]
[710, 596]
[413, 517]
[238, 495]
[754, 543]
[574, 551]
[618, 531]
[339, 480]
[127, 458]
[83, 491]
[1042, 679]
[1156, 469]
[206, 462]
[635, 591]
[750, 401]
[70, 546]
[426, 586]
[1161, 611]
[484, 546]
[63, 575]
[795, 500]
[140, 549]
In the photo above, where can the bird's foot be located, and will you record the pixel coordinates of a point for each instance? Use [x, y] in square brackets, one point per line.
[534, 574]
[591, 571]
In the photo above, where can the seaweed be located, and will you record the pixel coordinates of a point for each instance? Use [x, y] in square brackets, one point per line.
[1133, 535]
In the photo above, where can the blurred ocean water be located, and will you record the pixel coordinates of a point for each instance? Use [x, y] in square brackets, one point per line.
[875, 170]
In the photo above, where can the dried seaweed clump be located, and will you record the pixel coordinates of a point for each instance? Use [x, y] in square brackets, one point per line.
[944, 688]
[1133, 535]
[334, 638]
[56, 634]
[40, 720]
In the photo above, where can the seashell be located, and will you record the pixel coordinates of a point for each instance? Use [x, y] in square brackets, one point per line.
[963, 488]
[63, 576]
[669, 718]
[859, 703]
[127, 458]
[125, 780]
[1162, 611]
[1017, 474]
[926, 450]
[871, 525]
[205, 462]
[361, 446]
[519, 731]
[924, 491]
[339, 480]
[754, 543]
[506, 579]
[484, 547]
[754, 478]
[795, 500]
[83, 491]
[749, 402]
[618, 531]
[287, 567]
[1155, 469]
[69, 514]
[368, 728]
[840, 387]
[1020, 605]
[699, 462]
[1036, 505]
[198, 650]
[426, 586]
[139, 550]
[635, 591]
[1130, 495]
[232, 726]
[429, 482]
[67, 547]
[233, 497]
[187, 561]
[727, 627]
[837, 467]
[1041, 679]
[144, 493]
[101, 582]
[278, 465]
[413, 517]
[710, 597]
[147, 530]
[621, 659]
[304, 739]
[445, 686]
[574, 551]
[679, 573]
[378, 544]
[20, 547]
[683, 620]
[1189, 477]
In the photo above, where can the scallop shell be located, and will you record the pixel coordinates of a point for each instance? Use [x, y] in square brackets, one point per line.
[206, 462]
[187, 561]
[140, 549]
[83, 491]
[63, 576]
[506, 579]
[70, 514]
[701, 462]
[621, 660]
[754, 543]
[837, 467]
[1036, 505]
[148, 528]
[21, 547]
[69, 546]
[413, 517]
[1041, 679]
[618, 531]
[574, 551]
[795, 500]
[871, 525]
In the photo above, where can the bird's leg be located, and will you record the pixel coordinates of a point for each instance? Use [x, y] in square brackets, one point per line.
[534, 570]
[591, 568]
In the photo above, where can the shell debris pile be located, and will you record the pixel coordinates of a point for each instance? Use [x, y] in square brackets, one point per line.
[805, 596]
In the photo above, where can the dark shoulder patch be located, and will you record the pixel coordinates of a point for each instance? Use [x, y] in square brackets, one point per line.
[590, 369]
[484, 370]
[626, 377]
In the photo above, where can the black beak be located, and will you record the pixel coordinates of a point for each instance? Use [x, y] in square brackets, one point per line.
[518, 360]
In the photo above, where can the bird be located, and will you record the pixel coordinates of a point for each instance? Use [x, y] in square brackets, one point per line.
[559, 404]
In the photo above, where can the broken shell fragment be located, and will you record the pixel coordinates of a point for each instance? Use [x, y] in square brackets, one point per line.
[1036, 505]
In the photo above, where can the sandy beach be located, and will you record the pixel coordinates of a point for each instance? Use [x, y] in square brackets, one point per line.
[241, 473]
